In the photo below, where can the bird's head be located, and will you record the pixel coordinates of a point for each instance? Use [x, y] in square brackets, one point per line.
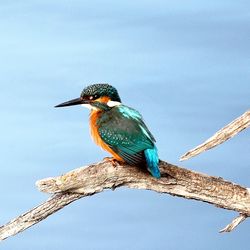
[99, 96]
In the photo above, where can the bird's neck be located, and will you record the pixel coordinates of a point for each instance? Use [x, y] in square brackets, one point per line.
[93, 118]
[101, 106]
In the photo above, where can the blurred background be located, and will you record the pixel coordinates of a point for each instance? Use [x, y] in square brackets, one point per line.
[183, 64]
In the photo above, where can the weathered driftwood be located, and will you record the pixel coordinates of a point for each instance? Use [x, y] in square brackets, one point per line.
[221, 136]
[175, 181]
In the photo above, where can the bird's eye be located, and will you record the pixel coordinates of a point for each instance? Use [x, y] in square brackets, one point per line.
[93, 97]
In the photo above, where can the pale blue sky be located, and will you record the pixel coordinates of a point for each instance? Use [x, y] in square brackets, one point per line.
[183, 64]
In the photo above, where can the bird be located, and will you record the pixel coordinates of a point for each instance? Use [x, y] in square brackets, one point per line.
[117, 128]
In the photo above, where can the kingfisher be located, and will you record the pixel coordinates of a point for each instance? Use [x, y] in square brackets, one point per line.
[117, 128]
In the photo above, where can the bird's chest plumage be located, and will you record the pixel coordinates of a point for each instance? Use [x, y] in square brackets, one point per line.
[96, 118]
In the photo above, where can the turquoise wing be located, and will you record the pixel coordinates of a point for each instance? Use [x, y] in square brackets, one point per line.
[123, 129]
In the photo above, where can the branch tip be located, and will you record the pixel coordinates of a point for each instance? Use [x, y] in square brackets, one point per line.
[230, 227]
[227, 132]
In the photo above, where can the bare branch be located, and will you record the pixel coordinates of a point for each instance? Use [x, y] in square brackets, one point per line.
[93, 179]
[234, 223]
[37, 214]
[221, 136]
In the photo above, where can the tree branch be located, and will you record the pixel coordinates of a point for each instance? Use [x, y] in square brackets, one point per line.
[176, 181]
[221, 136]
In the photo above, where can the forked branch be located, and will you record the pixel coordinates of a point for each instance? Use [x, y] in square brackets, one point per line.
[86, 181]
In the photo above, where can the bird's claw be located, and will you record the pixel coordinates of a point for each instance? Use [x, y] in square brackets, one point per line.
[111, 160]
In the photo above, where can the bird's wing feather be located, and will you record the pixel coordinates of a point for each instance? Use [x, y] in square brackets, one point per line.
[123, 129]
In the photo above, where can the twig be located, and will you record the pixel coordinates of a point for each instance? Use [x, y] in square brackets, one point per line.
[221, 136]
[230, 227]
[93, 179]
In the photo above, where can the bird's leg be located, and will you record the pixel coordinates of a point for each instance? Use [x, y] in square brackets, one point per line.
[112, 160]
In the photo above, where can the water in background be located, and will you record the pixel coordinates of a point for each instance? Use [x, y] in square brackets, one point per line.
[183, 65]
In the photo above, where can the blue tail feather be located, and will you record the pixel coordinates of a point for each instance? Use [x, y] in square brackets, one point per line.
[152, 161]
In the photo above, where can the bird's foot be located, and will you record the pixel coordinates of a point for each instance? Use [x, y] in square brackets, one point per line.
[111, 160]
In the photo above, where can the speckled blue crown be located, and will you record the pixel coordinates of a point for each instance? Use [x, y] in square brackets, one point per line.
[101, 89]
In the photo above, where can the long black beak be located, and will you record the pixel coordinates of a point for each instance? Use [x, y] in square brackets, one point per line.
[76, 101]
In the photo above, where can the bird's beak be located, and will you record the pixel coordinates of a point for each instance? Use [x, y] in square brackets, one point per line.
[76, 101]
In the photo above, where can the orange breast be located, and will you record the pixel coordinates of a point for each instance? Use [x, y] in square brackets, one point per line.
[95, 134]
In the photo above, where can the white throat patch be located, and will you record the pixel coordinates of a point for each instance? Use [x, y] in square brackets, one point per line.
[113, 103]
[88, 106]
